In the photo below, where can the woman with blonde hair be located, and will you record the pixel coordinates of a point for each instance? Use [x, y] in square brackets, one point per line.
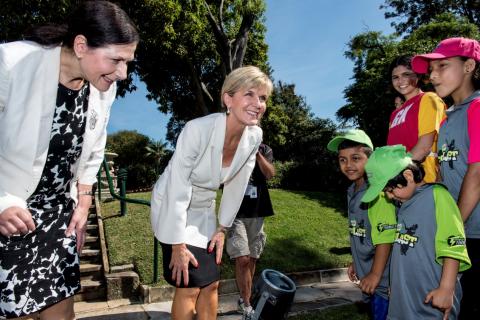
[218, 149]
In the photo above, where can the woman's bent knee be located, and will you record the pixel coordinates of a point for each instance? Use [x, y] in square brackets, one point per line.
[212, 287]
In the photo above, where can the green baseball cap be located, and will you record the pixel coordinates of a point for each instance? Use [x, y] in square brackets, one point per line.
[356, 135]
[384, 164]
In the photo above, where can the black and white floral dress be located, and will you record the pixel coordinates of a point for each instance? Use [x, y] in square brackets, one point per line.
[41, 268]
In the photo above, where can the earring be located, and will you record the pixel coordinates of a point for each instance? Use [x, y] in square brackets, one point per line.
[228, 111]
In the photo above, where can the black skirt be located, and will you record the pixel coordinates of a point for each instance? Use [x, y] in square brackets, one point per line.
[207, 272]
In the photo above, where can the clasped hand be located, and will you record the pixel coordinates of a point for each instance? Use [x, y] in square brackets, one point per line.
[16, 221]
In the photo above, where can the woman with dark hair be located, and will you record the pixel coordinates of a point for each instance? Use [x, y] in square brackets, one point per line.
[416, 123]
[56, 90]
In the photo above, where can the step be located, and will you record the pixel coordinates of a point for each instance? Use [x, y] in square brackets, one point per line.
[92, 226]
[89, 239]
[92, 232]
[97, 276]
[90, 253]
[92, 216]
[90, 267]
[89, 284]
[91, 293]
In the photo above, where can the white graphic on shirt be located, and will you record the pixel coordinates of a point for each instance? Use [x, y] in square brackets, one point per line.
[400, 116]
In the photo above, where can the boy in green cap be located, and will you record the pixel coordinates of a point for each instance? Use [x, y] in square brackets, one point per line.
[372, 226]
[429, 247]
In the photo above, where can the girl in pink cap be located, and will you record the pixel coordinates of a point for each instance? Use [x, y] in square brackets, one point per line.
[454, 71]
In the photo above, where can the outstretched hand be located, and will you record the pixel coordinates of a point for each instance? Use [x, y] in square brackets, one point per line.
[181, 257]
[16, 221]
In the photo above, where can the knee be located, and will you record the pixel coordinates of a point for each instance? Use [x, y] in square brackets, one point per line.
[243, 261]
[211, 288]
[189, 295]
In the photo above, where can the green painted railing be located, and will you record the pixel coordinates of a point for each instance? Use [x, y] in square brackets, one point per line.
[123, 200]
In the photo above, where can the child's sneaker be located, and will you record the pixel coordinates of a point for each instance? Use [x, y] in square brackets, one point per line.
[248, 313]
[240, 305]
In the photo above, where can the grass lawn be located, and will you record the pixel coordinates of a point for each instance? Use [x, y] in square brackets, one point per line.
[308, 232]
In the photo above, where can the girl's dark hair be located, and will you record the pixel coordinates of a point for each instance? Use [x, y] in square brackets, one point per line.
[475, 75]
[406, 61]
[418, 174]
[345, 144]
[101, 22]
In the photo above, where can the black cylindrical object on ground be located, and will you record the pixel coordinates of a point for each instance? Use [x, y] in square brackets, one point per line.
[273, 295]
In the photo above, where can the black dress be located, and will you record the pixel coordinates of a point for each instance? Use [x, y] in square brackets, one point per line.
[41, 268]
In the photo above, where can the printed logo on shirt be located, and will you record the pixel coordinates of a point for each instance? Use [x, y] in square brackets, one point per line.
[400, 117]
[358, 230]
[385, 226]
[405, 237]
[454, 241]
[448, 153]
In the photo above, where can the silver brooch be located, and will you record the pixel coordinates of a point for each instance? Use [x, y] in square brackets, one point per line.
[93, 119]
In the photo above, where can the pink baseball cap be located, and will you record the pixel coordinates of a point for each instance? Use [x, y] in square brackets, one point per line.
[451, 47]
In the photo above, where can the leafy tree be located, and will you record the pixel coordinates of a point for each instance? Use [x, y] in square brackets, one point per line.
[158, 152]
[187, 47]
[130, 147]
[411, 14]
[299, 141]
[370, 96]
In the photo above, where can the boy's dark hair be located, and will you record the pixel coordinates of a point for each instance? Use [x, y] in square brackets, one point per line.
[345, 144]
[476, 74]
[418, 174]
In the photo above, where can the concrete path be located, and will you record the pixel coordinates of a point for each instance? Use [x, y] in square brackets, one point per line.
[309, 297]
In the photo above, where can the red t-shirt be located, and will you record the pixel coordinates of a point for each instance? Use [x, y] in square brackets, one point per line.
[418, 116]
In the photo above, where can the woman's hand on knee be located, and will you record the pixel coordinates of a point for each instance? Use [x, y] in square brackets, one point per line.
[181, 257]
[16, 220]
[217, 243]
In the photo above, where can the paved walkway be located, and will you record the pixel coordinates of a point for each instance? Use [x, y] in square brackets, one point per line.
[310, 297]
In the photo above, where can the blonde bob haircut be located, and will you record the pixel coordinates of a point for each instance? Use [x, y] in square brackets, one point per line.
[245, 78]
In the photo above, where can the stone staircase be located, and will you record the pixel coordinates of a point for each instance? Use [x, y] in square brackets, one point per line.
[91, 263]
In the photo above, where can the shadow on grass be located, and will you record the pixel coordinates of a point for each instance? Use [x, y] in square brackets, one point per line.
[334, 200]
[340, 250]
[290, 255]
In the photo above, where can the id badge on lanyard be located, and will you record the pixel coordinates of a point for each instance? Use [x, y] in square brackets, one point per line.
[251, 191]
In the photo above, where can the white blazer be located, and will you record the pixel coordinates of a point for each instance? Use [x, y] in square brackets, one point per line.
[29, 76]
[183, 198]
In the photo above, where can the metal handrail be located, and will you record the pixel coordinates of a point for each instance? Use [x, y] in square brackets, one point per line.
[130, 200]
[112, 188]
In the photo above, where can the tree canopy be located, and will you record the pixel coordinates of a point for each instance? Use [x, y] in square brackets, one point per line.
[142, 157]
[187, 47]
[370, 97]
[409, 15]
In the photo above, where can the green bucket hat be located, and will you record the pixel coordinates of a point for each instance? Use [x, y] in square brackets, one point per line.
[384, 164]
[355, 135]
